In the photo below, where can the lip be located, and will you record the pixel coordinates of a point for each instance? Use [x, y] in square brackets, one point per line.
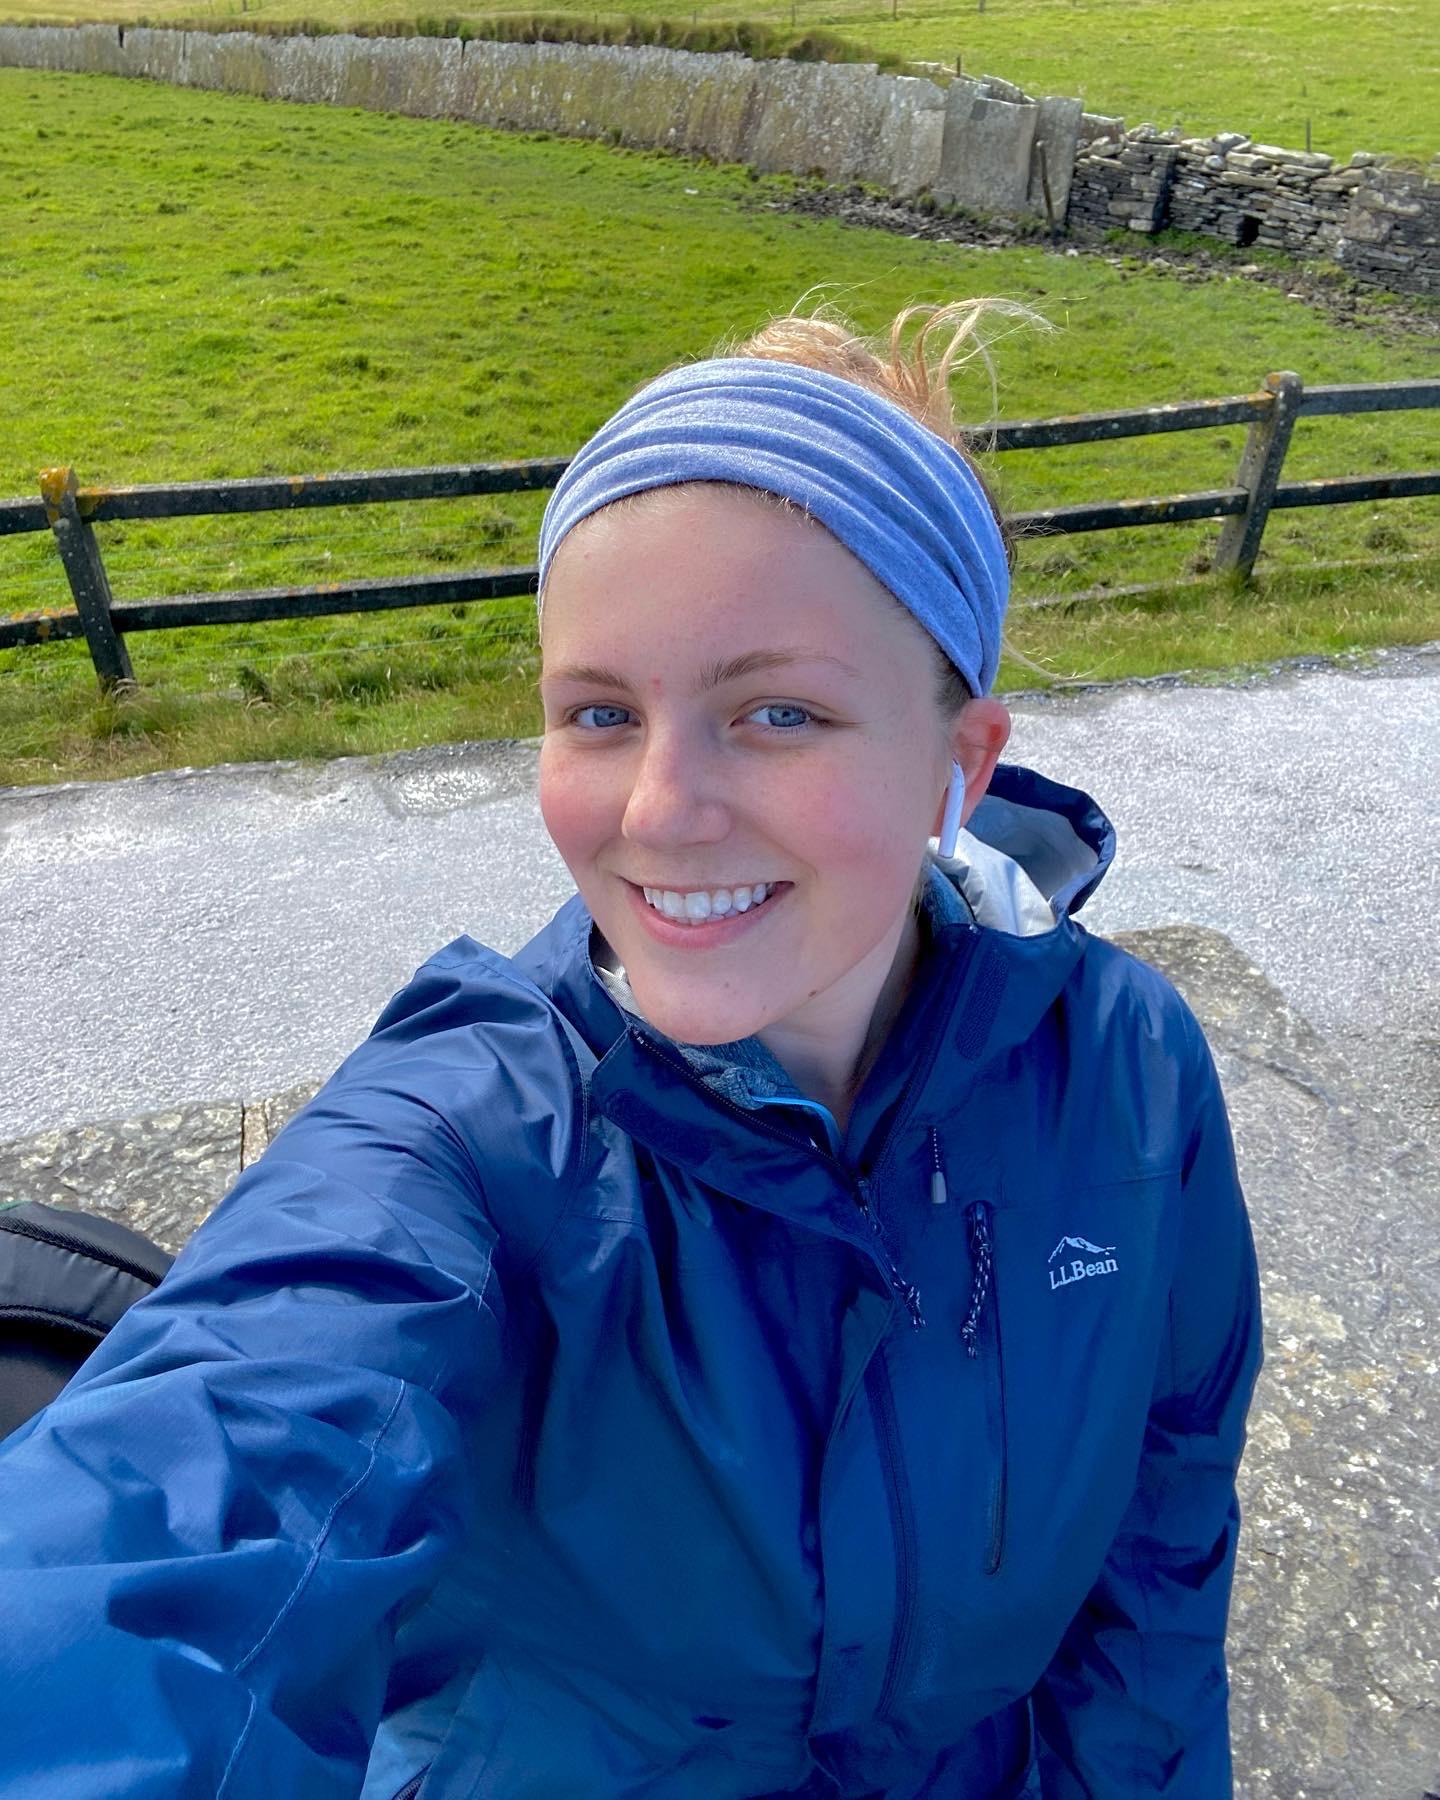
[714, 934]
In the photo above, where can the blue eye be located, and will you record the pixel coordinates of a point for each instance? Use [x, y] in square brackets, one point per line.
[580, 711]
[803, 717]
[798, 715]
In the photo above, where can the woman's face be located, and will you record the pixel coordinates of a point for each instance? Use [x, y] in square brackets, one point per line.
[733, 701]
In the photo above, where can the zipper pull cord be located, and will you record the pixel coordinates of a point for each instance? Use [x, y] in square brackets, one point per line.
[907, 1290]
[982, 1256]
[938, 1191]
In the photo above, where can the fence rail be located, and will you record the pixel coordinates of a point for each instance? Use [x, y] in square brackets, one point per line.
[70, 513]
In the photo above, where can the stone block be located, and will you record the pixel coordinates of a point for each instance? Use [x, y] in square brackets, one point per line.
[960, 99]
[904, 128]
[717, 104]
[235, 62]
[161, 55]
[1096, 128]
[806, 118]
[998, 88]
[416, 76]
[1365, 225]
[39, 47]
[986, 151]
[1057, 133]
[1309, 159]
[19, 47]
[651, 104]
[510, 85]
[99, 50]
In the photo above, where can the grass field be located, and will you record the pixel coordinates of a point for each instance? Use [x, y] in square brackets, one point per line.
[198, 284]
[1364, 74]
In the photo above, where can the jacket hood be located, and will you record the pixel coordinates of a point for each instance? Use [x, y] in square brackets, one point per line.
[998, 919]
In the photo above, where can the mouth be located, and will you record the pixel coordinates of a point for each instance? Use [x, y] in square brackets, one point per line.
[708, 916]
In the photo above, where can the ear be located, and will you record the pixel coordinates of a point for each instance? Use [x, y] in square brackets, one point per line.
[978, 736]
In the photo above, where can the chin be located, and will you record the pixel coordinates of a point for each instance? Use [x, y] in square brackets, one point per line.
[697, 1022]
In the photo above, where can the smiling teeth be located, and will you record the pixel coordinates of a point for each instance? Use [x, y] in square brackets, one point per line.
[718, 903]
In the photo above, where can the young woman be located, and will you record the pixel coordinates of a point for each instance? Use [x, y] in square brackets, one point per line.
[785, 1333]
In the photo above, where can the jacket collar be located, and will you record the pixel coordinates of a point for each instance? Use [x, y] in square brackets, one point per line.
[1001, 948]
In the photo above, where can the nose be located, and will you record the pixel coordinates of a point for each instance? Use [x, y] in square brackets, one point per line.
[675, 798]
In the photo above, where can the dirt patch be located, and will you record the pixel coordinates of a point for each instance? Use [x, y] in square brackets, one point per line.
[1324, 286]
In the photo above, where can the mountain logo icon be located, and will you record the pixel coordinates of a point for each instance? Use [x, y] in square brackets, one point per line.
[1069, 1243]
[1094, 1259]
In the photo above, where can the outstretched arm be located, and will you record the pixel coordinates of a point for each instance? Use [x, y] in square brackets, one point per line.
[207, 1539]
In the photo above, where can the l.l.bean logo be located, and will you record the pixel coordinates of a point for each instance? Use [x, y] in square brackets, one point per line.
[1094, 1259]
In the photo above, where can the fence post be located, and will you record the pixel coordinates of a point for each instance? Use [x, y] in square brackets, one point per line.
[80, 553]
[1259, 474]
[1044, 161]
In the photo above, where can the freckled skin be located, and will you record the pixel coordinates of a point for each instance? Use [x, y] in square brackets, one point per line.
[668, 784]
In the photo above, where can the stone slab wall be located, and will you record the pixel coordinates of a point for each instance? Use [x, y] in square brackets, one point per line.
[844, 122]
[974, 143]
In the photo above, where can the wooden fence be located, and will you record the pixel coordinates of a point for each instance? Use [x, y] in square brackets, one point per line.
[71, 513]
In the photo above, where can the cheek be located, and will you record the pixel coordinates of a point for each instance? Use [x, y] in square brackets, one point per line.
[870, 824]
[571, 806]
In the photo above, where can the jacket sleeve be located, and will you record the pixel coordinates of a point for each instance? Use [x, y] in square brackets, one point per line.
[207, 1541]
[1136, 1698]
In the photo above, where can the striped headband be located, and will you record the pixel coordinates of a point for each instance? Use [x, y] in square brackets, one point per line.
[901, 499]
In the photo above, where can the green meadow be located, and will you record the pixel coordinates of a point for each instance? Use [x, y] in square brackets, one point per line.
[1363, 74]
[203, 285]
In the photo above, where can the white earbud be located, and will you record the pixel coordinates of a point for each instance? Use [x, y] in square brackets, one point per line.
[954, 806]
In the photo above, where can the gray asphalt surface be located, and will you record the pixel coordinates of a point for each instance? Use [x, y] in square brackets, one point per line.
[223, 932]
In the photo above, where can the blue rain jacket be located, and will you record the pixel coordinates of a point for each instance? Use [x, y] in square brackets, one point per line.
[555, 1412]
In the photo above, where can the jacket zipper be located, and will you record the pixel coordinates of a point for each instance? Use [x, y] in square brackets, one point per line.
[877, 1378]
[413, 1785]
[858, 1186]
[907, 1290]
[982, 1323]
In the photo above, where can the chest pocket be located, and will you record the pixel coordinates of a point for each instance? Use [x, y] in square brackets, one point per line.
[1081, 1285]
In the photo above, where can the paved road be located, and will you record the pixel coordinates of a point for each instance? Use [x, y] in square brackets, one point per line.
[194, 935]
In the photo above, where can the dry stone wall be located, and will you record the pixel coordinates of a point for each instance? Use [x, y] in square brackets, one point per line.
[979, 144]
[1379, 221]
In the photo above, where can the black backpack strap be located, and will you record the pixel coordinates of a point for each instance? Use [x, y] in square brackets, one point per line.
[65, 1278]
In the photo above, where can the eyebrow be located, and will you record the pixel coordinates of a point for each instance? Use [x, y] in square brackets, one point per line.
[713, 675]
